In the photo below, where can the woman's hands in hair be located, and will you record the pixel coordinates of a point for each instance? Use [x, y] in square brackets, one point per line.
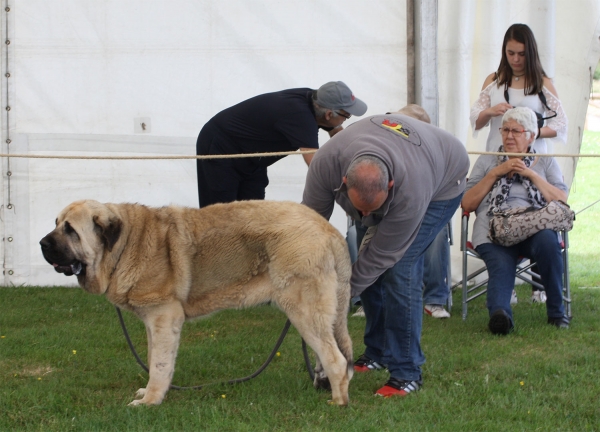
[487, 114]
[500, 109]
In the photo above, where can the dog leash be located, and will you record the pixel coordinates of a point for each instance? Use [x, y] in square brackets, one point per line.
[286, 327]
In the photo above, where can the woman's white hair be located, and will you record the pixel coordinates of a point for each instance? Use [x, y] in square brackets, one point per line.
[524, 116]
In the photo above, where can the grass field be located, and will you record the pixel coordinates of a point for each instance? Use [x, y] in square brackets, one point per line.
[64, 364]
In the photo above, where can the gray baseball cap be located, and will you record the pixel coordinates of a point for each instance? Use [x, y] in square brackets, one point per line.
[337, 95]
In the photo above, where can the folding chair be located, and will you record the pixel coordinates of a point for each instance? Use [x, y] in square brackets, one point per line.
[524, 271]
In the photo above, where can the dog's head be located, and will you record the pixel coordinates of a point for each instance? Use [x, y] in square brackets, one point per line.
[85, 231]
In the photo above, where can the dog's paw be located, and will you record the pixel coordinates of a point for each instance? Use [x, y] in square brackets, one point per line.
[147, 398]
[339, 403]
[140, 395]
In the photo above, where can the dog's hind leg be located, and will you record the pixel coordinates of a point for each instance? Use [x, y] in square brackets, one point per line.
[164, 323]
[316, 326]
[332, 367]
[340, 327]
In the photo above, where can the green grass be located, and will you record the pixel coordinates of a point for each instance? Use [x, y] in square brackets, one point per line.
[64, 364]
[584, 239]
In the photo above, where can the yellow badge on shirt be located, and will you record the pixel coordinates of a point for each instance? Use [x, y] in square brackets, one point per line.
[399, 126]
[396, 127]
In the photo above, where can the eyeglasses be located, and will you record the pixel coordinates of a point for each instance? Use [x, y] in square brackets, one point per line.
[346, 116]
[516, 133]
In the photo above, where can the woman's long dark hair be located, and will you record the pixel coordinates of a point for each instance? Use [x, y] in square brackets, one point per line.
[534, 72]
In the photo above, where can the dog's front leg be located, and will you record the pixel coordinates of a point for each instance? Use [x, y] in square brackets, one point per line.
[164, 323]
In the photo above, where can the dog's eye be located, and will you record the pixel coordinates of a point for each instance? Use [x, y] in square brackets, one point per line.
[69, 229]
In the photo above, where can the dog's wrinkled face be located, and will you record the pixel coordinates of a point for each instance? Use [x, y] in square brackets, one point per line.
[84, 230]
[62, 249]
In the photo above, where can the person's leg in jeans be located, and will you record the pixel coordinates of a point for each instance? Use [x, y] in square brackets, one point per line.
[374, 303]
[374, 337]
[353, 249]
[501, 263]
[398, 292]
[435, 275]
[544, 248]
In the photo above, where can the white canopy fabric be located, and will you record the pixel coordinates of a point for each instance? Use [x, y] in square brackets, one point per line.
[81, 76]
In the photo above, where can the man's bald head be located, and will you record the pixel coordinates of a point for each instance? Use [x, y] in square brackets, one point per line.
[368, 183]
[415, 111]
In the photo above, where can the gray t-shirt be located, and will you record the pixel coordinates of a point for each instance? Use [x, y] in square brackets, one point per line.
[426, 163]
[546, 167]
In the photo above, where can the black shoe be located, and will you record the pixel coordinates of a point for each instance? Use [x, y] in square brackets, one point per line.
[500, 323]
[365, 364]
[560, 322]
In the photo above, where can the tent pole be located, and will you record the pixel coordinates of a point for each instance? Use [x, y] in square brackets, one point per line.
[410, 52]
[425, 22]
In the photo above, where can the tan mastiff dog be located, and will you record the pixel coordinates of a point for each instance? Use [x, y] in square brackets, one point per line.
[170, 264]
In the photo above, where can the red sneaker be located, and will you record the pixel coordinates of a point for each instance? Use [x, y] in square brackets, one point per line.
[398, 387]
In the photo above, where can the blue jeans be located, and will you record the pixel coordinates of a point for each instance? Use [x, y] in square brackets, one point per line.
[394, 303]
[351, 240]
[435, 270]
[501, 263]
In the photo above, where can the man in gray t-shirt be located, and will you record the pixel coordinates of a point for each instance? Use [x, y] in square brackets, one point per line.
[403, 179]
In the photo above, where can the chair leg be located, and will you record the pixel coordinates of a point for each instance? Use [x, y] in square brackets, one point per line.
[566, 275]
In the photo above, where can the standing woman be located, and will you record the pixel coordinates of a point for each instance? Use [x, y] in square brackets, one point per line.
[519, 81]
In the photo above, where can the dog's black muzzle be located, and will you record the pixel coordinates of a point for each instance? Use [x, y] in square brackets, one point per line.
[60, 257]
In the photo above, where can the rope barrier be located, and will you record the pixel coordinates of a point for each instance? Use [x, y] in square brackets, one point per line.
[227, 156]
[231, 156]
[245, 155]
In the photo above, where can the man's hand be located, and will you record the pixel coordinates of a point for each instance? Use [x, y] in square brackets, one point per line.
[333, 131]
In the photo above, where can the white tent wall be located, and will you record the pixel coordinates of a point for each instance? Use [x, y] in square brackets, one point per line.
[85, 74]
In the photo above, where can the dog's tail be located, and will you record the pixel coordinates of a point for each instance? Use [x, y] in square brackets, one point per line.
[343, 268]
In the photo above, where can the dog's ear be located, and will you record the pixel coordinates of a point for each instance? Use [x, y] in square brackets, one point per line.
[110, 229]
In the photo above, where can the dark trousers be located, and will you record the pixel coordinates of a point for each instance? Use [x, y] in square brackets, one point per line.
[226, 180]
[501, 263]
[221, 182]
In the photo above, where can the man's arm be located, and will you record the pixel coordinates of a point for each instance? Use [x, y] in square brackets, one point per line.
[319, 194]
[308, 157]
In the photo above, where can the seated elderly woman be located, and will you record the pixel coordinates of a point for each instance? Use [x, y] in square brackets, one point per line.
[504, 182]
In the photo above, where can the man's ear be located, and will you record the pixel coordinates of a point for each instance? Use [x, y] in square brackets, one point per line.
[390, 184]
[328, 115]
[345, 180]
